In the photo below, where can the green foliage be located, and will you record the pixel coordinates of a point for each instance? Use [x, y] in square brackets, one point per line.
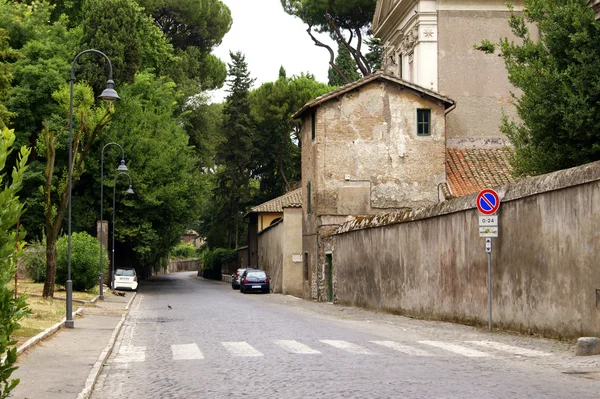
[340, 19]
[215, 258]
[235, 152]
[11, 247]
[34, 261]
[277, 138]
[346, 64]
[85, 262]
[166, 180]
[184, 251]
[557, 74]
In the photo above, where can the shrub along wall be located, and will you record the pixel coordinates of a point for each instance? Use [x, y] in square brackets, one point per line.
[431, 262]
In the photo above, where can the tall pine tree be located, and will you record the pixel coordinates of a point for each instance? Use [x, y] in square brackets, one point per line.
[235, 153]
[347, 66]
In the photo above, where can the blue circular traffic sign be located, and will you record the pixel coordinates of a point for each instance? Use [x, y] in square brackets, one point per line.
[488, 202]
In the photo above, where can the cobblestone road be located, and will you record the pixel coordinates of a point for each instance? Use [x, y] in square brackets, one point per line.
[217, 343]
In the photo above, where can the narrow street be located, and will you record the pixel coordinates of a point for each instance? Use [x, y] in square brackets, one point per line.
[214, 342]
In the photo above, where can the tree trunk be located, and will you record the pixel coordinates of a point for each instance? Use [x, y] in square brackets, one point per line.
[50, 266]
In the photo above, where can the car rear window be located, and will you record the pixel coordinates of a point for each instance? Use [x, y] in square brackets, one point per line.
[125, 272]
[257, 274]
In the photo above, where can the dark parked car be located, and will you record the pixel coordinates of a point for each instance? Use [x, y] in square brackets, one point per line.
[236, 278]
[254, 280]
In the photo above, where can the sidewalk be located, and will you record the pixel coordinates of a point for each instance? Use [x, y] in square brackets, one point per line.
[59, 366]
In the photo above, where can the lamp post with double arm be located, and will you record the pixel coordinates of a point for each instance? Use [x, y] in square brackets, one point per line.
[120, 168]
[130, 192]
[110, 95]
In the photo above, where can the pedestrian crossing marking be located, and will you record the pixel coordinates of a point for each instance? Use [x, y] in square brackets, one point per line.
[296, 347]
[348, 347]
[130, 354]
[241, 349]
[515, 350]
[408, 350]
[461, 350]
[186, 352]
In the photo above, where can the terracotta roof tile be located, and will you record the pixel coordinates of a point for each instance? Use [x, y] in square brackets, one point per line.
[293, 199]
[469, 170]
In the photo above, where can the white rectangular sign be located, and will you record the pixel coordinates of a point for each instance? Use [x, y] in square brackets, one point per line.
[488, 231]
[491, 220]
[296, 258]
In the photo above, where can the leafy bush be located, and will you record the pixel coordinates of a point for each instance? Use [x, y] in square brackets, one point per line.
[184, 251]
[214, 259]
[85, 251]
[34, 261]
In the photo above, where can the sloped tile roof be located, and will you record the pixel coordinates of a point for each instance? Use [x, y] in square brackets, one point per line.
[378, 75]
[469, 170]
[293, 199]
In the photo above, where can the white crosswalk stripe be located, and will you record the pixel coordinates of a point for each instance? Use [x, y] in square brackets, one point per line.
[408, 350]
[348, 347]
[186, 352]
[241, 349]
[458, 349]
[515, 350]
[296, 347]
[130, 354]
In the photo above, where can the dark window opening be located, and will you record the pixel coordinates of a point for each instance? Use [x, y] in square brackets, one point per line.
[423, 122]
[308, 201]
[305, 266]
[313, 118]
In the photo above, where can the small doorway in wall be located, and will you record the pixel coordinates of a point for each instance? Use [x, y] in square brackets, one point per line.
[329, 258]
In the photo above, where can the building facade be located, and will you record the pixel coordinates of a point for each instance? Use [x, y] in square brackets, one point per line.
[430, 43]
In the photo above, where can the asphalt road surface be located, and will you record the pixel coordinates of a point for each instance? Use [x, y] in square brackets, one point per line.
[215, 342]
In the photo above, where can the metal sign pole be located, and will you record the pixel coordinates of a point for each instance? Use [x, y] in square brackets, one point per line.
[488, 249]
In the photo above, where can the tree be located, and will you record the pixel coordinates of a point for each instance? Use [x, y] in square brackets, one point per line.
[277, 139]
[347, 67]
[347, 21]
[235, 154]
[89, 120]
[11, 246]
[557, 75]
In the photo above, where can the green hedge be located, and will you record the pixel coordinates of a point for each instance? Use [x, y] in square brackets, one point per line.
[85, 261]
[184, 251]
[215, 258]
[34, 261]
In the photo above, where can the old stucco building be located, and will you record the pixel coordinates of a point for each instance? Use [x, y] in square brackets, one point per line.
[371, 146]
[430, 43]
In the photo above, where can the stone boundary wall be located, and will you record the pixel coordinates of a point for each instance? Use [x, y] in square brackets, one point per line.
[183, 265]
[430, 262]
[270, 253]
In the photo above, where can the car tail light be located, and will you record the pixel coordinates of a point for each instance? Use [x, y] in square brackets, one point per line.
[134, 278]
[267, 280]
[245, 281]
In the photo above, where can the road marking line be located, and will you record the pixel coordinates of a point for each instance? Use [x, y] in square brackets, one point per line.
[461, 350]
[296, 347]
[130, 354]
[510, 349]
[186, 352]
[348, 346]
[241, 349]
[409, 350]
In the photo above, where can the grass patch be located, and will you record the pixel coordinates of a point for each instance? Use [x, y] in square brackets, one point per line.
[29, 287]
[44, 312]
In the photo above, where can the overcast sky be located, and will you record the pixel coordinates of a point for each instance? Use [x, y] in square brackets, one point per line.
[270, 38]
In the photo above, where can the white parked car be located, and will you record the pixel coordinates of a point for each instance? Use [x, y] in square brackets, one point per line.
[125, 277]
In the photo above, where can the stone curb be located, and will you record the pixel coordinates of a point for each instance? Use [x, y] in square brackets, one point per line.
[97, 369]
[43, 335]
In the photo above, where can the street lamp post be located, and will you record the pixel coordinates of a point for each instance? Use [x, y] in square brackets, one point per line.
[129, 191]
[110, 95]
[121, 168]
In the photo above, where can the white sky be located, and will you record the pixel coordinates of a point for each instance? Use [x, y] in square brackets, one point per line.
[270, 38]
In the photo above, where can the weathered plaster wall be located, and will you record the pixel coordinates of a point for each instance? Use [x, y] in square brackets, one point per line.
[292, 252]
[270, 254]
[478, 82]
[430, 262]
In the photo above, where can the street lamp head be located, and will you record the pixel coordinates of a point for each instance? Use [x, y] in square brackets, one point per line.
[110, 94]
[129, 190]
[122, 167]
